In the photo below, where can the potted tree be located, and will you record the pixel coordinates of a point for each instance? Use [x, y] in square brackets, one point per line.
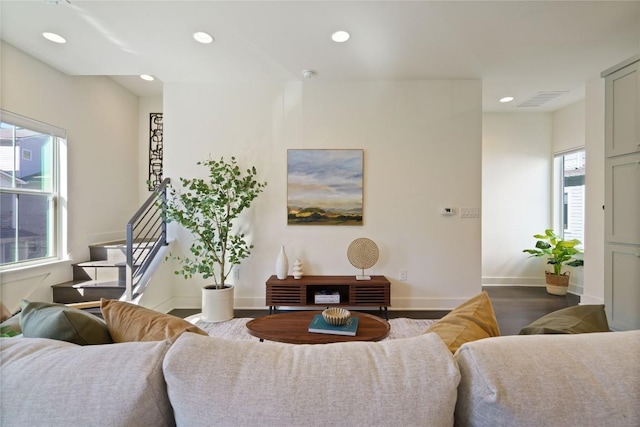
[558, 252]
[207, 208]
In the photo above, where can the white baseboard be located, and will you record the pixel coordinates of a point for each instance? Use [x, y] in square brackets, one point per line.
[513, 281]
[590, 300]
[164, 307]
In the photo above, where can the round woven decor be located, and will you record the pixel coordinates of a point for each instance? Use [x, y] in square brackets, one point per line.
[363, 253]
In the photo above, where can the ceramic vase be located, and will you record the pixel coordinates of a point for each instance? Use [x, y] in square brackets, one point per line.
[282, 264]
[297, 269]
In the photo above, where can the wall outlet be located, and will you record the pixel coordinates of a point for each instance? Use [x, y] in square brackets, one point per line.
[403, 275]
[236, 273]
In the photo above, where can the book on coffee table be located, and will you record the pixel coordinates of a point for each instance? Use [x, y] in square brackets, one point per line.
[319, 326]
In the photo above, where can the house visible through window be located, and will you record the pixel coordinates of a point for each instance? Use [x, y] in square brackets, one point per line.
[29, 190]
[570, 194]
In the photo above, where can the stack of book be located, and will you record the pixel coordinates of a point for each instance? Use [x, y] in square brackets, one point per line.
[319, 326]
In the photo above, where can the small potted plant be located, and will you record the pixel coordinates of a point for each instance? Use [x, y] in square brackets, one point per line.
[558, 252]
[207, 208]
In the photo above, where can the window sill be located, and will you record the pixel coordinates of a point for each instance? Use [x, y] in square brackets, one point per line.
[21, 272]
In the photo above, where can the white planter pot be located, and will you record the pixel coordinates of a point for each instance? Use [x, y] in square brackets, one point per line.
[217, 304]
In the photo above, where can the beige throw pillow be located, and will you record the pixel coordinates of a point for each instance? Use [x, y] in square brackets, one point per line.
[472, 320]
[130, 322]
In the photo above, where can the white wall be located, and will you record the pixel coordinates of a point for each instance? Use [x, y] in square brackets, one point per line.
[593, 287]
[569, 128]
[101, 120]
[422, 151]
[516, 184]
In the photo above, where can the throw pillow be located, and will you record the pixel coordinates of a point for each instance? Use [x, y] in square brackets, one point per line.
[470, 321]
[571, 320]
[130, 322]
[11, 326]
[59, 322]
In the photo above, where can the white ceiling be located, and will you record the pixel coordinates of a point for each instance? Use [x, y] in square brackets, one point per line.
[517, 48]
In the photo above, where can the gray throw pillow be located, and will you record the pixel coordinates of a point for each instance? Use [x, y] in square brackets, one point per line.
[578, 319]
[59, 322]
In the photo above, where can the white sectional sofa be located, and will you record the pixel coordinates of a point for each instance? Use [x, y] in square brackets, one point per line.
[537, 380]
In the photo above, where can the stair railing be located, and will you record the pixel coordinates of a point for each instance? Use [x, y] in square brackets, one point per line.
[146, 234]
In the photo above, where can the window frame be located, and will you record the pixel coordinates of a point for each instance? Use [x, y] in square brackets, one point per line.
[558, 203]
[56, 195]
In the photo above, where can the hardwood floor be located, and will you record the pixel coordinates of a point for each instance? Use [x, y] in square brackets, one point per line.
[517, 306]
[514, 306]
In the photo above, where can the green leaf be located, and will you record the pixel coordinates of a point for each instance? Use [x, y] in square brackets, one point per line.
[559, 252]
[207, 209]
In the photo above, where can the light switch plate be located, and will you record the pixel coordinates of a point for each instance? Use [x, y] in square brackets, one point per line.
[469, 212]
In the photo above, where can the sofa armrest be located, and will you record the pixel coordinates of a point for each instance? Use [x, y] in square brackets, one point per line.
[553, 380]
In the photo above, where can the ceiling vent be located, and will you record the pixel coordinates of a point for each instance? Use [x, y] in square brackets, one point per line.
[542, 98]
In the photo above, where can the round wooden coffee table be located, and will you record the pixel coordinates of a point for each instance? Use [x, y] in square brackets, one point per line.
[292, 328]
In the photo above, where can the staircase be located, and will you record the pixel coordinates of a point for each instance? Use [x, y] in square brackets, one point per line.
[103, 276]
[116, 269]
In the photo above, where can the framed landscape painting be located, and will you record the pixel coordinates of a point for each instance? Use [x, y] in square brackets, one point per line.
[324, 187]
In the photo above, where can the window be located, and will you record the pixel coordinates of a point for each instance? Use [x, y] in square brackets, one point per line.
[29, 190]
[569, 194]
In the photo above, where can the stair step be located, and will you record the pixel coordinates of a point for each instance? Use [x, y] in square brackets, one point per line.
[83, 291]
[101, 271]
[116, 251]
[104, 276]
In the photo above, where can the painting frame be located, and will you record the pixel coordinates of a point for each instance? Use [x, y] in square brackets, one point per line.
[325, 186]
[156, 148]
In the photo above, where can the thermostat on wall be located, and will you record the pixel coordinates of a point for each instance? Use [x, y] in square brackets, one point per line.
[448, 211]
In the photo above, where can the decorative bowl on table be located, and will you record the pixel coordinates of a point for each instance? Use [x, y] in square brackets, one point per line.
[336, 316]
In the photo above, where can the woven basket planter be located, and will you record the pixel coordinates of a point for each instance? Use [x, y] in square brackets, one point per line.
[557, 284]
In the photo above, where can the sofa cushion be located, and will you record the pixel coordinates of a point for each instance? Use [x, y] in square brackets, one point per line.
[470, 321]
[59, 322]
[213, 381]
[571, 320]
[130, 322]
[55, 383]
[550, 380]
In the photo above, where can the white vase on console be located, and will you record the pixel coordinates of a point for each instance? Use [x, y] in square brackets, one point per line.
[282, 264]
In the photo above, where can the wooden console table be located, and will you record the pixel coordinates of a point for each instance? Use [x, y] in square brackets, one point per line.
[353, 293]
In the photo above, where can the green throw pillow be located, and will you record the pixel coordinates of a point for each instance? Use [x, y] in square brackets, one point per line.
[571, 320]
[59, 322]
[11, 326]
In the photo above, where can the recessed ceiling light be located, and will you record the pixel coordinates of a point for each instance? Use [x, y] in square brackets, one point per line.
[203, 37]
[146, 77]
[56, 38]
[340, 36]
[506, 99]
